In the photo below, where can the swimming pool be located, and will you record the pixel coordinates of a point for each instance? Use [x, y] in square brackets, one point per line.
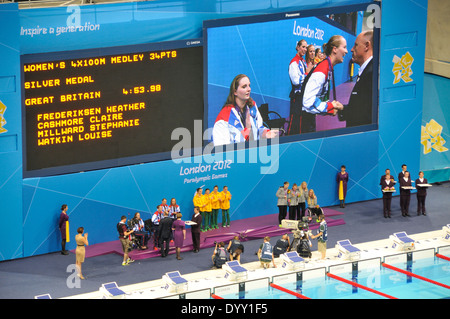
[373, 277]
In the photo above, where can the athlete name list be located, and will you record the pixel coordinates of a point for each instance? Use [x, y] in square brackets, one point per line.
[74, 109]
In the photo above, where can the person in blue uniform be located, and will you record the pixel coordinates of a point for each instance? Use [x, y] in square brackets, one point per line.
[265, 253]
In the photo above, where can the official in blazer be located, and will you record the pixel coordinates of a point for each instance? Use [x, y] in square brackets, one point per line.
[358, 111]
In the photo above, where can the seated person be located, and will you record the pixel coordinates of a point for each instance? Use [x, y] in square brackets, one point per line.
[281, 246]
[235, 248]
[304, 247]
[139, 230]
[219, 257]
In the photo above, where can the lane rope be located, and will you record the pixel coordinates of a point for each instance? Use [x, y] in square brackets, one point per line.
[415, 275]
[360, 286]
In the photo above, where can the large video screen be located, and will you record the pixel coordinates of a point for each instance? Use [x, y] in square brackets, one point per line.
[106, 107]
[294, 75]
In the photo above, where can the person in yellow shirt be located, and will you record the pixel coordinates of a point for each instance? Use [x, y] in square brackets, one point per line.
[199, 202]
[225, 197]
[207, 209]
[215, 205]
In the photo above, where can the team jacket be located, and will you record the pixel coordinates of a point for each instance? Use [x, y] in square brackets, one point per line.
[225, 197]
[229, 128]
[297, 72]
[215, 203]
[199, 202]
[173, 210]
[316, 89]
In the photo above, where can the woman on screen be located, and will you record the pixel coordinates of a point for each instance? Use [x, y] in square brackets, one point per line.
[240, 120]
[315, 90]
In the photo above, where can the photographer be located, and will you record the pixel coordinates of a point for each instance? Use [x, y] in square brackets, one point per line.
[304, 246]
[124, 234]
[235, 248]
[219, 257]
[281, 246]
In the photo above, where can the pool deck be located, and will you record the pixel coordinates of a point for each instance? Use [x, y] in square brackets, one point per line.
[216, 277]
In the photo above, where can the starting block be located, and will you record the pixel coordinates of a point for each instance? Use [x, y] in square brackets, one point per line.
[292, 261]
[234, 271]
[401, 241]
[446, 232]
[110, 290]
[174, 282]
[347, 251]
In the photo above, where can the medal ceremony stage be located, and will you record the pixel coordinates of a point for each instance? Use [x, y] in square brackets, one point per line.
[246, 229]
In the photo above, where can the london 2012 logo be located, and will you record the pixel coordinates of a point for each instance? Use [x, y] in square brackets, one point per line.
[2, 118]
[402, 68]
[431, 137]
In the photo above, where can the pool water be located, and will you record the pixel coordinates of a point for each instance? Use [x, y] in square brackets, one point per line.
[381, 279]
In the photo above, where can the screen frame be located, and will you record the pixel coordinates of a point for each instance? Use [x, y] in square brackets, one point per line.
[85, 53]
[289, 15]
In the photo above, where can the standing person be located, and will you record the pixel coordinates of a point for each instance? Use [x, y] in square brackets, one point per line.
[199, 201]
[315, 88]
[195, 229]
[318, 56]
[124, 234]
[265, 253]
[402, 172]
[207, 209]
[225, 197]
[80, 251]
[156, 219]
[421, 194]
[64, 229]
[239, 119]
[282, 201]
[405, 193]
[303, 198]
[165, 234]
[215, 206]
[174, 209]
[342, 180]
[387, 187]
[179, 234]
[358, 111]
[322, 235]
[310, 57]
[164, 206]
[297, 73]
[294, 210]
